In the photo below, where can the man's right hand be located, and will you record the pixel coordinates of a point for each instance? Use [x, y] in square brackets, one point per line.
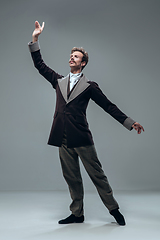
[37, 31]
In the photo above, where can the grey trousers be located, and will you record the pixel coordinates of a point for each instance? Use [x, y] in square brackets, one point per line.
[69, 158]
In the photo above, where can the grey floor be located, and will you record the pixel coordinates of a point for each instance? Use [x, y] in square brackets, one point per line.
[34, 215]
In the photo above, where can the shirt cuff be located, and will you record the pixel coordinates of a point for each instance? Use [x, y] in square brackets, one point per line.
[128, 123]
[33, 47]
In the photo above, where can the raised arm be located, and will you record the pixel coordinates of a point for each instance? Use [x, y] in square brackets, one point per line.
[34, 48]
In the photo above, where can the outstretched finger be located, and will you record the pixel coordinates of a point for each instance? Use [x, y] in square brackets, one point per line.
[142, 128]
[37, 25]
[43, 25]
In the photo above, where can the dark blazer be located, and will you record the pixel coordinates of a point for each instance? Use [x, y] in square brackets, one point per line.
[70, 113]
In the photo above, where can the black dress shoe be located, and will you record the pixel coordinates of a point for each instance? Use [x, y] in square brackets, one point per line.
[118, 216]
[72, 219]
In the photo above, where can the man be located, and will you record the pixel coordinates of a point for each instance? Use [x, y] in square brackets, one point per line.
[70, 130]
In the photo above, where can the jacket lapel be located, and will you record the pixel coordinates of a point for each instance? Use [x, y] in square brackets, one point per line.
[63, 84]
[79, 88]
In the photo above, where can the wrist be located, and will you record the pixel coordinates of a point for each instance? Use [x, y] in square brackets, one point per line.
[34, 39]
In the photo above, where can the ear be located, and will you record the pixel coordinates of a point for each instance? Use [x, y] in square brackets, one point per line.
[83, 64]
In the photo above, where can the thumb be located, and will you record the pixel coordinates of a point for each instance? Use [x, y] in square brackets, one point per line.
[43, 25]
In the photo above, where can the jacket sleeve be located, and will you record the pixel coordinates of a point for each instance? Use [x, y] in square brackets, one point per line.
[43, 69]
[99, 98]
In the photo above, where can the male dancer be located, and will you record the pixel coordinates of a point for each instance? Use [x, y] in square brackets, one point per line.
[70, 130]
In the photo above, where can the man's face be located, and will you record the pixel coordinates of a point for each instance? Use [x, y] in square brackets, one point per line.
[75, 61]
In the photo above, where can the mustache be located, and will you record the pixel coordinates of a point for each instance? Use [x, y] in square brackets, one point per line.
[71, 61]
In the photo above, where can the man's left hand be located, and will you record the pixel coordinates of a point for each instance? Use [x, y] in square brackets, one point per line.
[138, 127]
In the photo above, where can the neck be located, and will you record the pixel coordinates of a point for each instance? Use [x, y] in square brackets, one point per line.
[74, 71]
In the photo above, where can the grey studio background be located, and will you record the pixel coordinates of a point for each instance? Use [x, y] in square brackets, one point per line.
[122, 38]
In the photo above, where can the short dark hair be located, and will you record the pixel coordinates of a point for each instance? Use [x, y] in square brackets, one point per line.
[85, 57]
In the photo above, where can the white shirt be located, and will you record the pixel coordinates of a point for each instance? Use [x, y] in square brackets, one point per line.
[74, 79]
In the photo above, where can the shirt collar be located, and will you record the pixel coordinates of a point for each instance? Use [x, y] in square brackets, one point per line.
[75, 75]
